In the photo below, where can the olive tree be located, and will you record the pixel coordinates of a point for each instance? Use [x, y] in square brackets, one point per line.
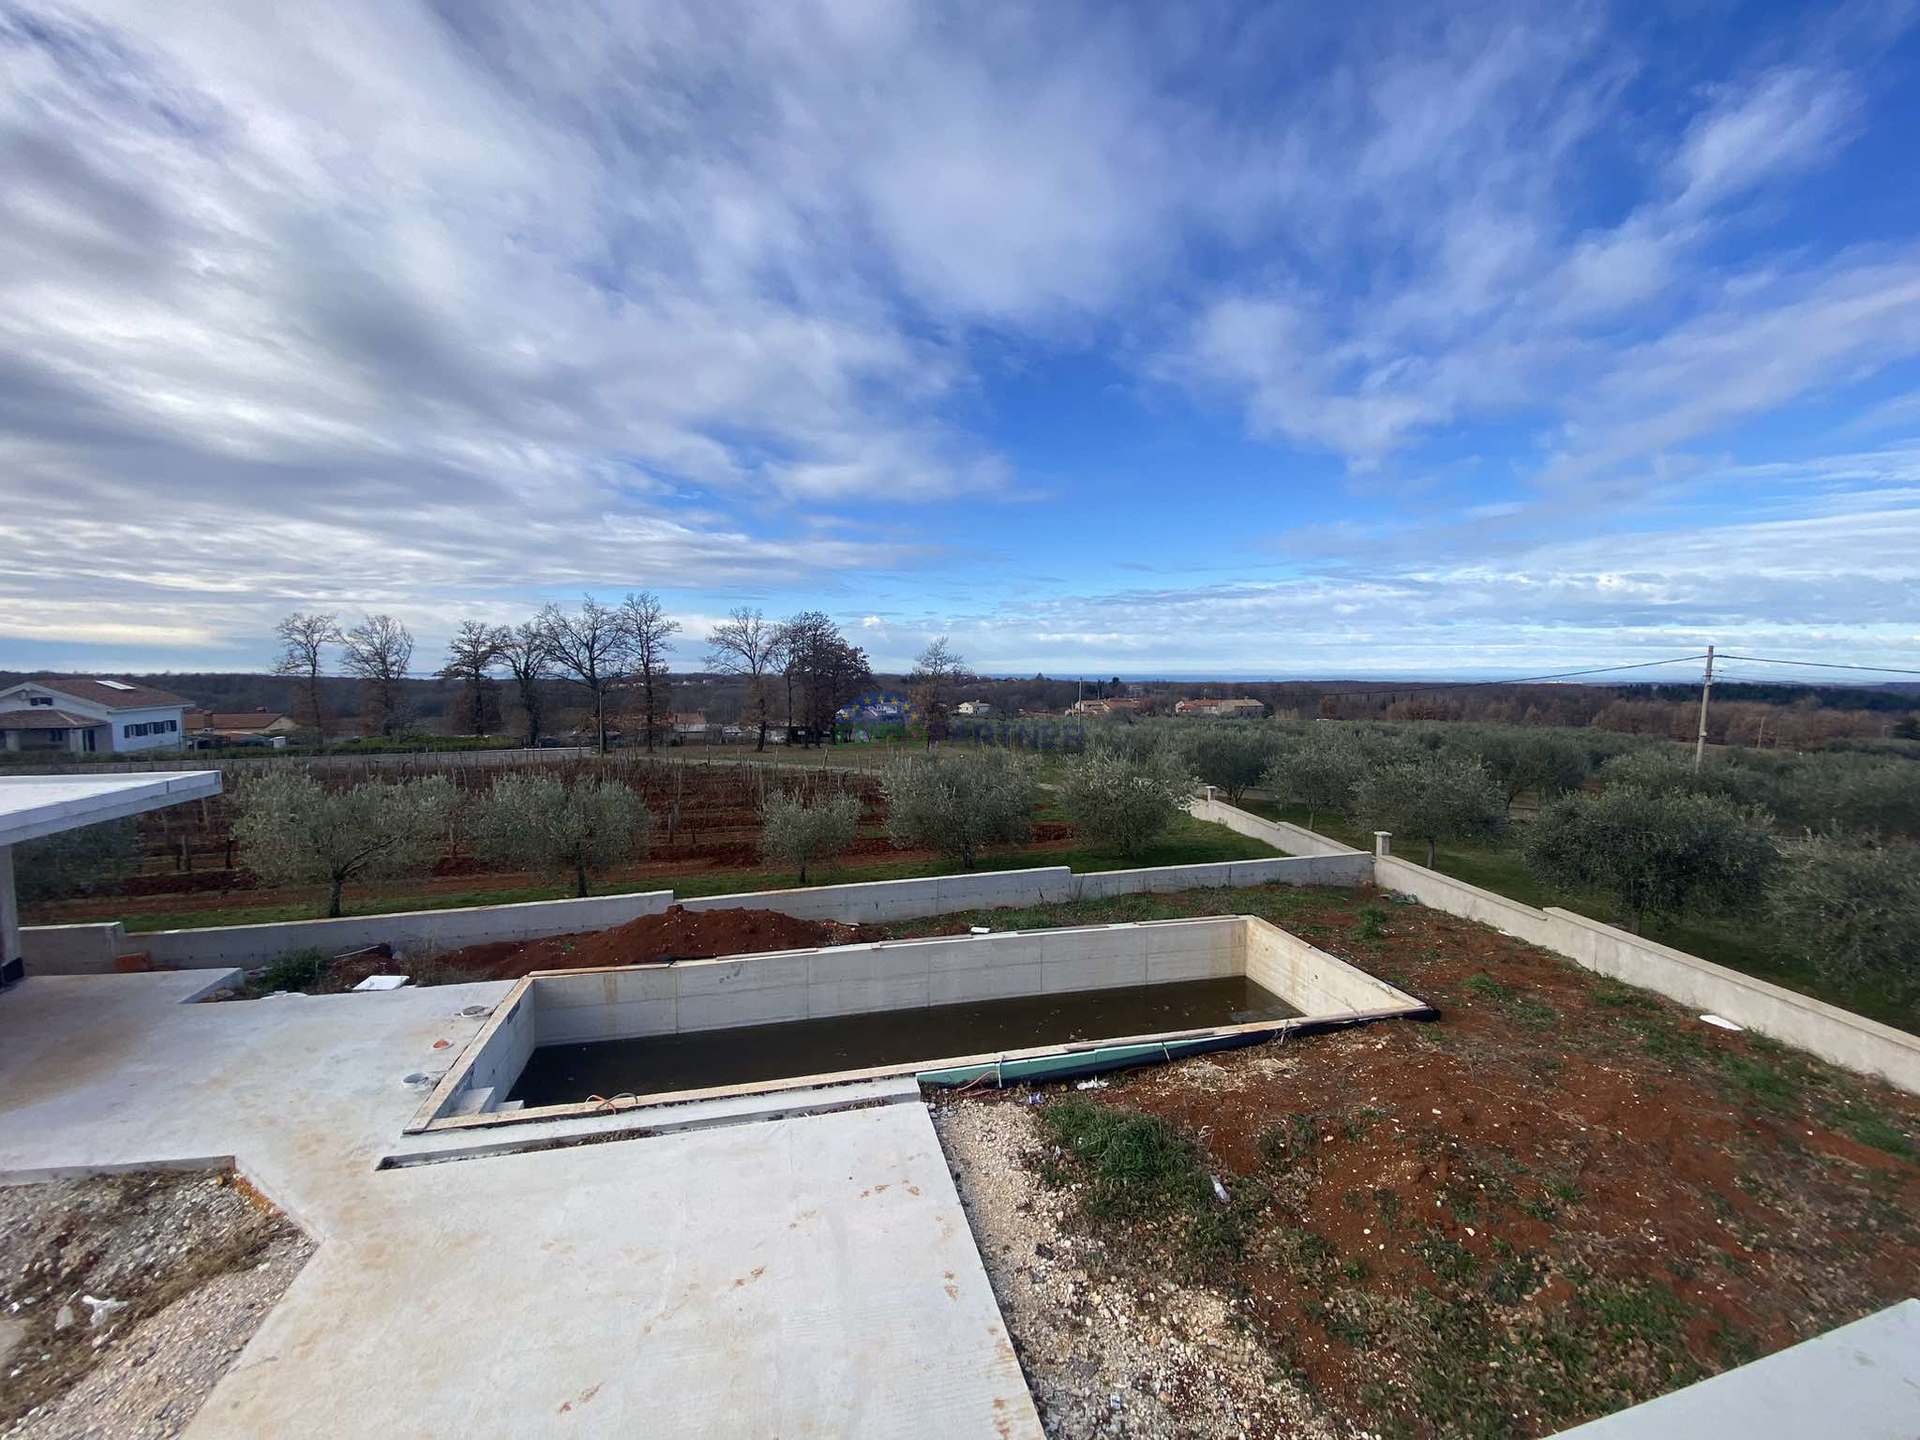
[539, 822]
[1320, 771]
[959, 806]
[1232, 754]
[798, 834]
[1656, 854]
[1127, 803]
[292, 830]
[1442, 795]
[1852, 911]
[1546, 766]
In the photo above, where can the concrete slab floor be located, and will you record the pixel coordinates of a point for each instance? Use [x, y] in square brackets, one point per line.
[804, 1275]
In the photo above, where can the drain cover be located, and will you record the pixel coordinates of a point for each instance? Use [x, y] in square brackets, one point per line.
[475, 1010]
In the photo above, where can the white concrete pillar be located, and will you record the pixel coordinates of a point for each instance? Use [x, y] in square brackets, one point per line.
[9, 911]
[1209, 794]
[1383, 843]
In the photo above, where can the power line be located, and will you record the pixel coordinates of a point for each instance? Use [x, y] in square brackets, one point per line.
[1398, 688]
[1822, 664]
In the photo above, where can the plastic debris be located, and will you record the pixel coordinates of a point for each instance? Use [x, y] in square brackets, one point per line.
[1219, 1190]
[443, 1044]
[382, 982]
[103, 1310]
[1722, 1022]
[1096, 1083]
[979, 930]
[1032, 1099]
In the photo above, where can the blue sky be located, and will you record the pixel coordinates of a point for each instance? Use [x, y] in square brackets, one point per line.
[1102, 338]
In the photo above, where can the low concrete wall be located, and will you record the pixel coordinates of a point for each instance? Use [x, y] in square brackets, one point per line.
[1290, 839]
[1347, 869]
[880, 901]
[1835, 1035]
[90, 949]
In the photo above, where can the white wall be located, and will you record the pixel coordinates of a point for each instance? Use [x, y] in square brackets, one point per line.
[118, 722]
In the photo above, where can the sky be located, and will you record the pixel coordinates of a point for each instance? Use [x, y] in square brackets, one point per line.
[1103, 338]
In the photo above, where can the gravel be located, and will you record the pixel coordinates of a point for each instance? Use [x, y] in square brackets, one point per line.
[131, 1295]
[1106, 1353]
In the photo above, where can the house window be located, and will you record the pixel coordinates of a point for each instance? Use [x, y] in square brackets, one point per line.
[126, 732]
[46, 700]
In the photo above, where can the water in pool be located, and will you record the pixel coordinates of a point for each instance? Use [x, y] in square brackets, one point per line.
[565, 1074]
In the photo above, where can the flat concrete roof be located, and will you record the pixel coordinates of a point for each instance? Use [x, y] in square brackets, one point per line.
[812, 1275]
[36, 805]
[1857, 1381]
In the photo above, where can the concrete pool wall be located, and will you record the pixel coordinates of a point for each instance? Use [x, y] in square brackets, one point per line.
[633, 1002]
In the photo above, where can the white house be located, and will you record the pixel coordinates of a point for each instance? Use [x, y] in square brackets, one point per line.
[88, 716]
[974, 707]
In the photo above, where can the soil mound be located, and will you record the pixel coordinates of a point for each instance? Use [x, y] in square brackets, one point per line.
[676, 933]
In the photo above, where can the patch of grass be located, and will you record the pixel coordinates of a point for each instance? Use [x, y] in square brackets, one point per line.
[1136, 1165]
[1516, 1278]
[1449, 1260]
[296, 970]
[1290, 1144]
[1616, 996]
[1647, 1312]
[1486, 987]
[1372, 923]
[1871, 1129]
[1762, 1080]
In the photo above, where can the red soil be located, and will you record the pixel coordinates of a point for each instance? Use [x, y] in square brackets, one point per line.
[675, 934]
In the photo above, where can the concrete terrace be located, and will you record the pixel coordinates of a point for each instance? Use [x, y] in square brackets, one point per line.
[798, 1274]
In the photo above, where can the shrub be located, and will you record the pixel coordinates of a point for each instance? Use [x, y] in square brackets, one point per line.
[538, 822]
[797, 835]
[1656, 854]
[957, 807]
[292, 830]
[1852, 911]
[1126, 803]
[1232, 754]
[1444, 796]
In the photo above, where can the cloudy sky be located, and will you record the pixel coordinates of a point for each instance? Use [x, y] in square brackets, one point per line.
[1138, 338]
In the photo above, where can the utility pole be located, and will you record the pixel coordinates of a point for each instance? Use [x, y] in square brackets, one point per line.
[1706, 688]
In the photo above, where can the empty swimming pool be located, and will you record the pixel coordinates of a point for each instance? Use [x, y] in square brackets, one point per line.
[562, 1074]
[1013, 1001]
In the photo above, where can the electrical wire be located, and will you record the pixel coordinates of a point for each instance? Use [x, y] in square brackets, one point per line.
[1818, 664]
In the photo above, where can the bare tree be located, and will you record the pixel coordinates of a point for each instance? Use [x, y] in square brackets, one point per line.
[830, 671]
[591, 648]
[379, 650]
[304, 639]
[746, 645]
[471, 656]
[524, 652]
[649, 637]
[934, 675]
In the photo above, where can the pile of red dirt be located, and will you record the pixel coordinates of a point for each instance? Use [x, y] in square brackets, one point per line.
[676, 933]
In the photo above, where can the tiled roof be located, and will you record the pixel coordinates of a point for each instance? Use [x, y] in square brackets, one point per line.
[44, 719]
[121, 695]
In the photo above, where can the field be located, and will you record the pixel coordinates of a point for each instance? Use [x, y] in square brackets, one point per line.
[1562, 1197]
[705, 842]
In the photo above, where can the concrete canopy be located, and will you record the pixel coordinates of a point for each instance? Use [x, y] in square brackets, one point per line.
[35, 805]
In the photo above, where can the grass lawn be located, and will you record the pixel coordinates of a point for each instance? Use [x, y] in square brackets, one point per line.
[1725, 940]
[1188, 842]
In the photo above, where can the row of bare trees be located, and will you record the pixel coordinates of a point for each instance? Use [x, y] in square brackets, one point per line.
[601, 648]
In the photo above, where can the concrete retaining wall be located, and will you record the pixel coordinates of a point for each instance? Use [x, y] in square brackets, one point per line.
[90, 949]
[1289, 839]
[1835, 1035]
[1309, 979]
[863, 979]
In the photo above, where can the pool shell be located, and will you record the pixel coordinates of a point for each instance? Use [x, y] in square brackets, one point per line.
[565, 1007]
